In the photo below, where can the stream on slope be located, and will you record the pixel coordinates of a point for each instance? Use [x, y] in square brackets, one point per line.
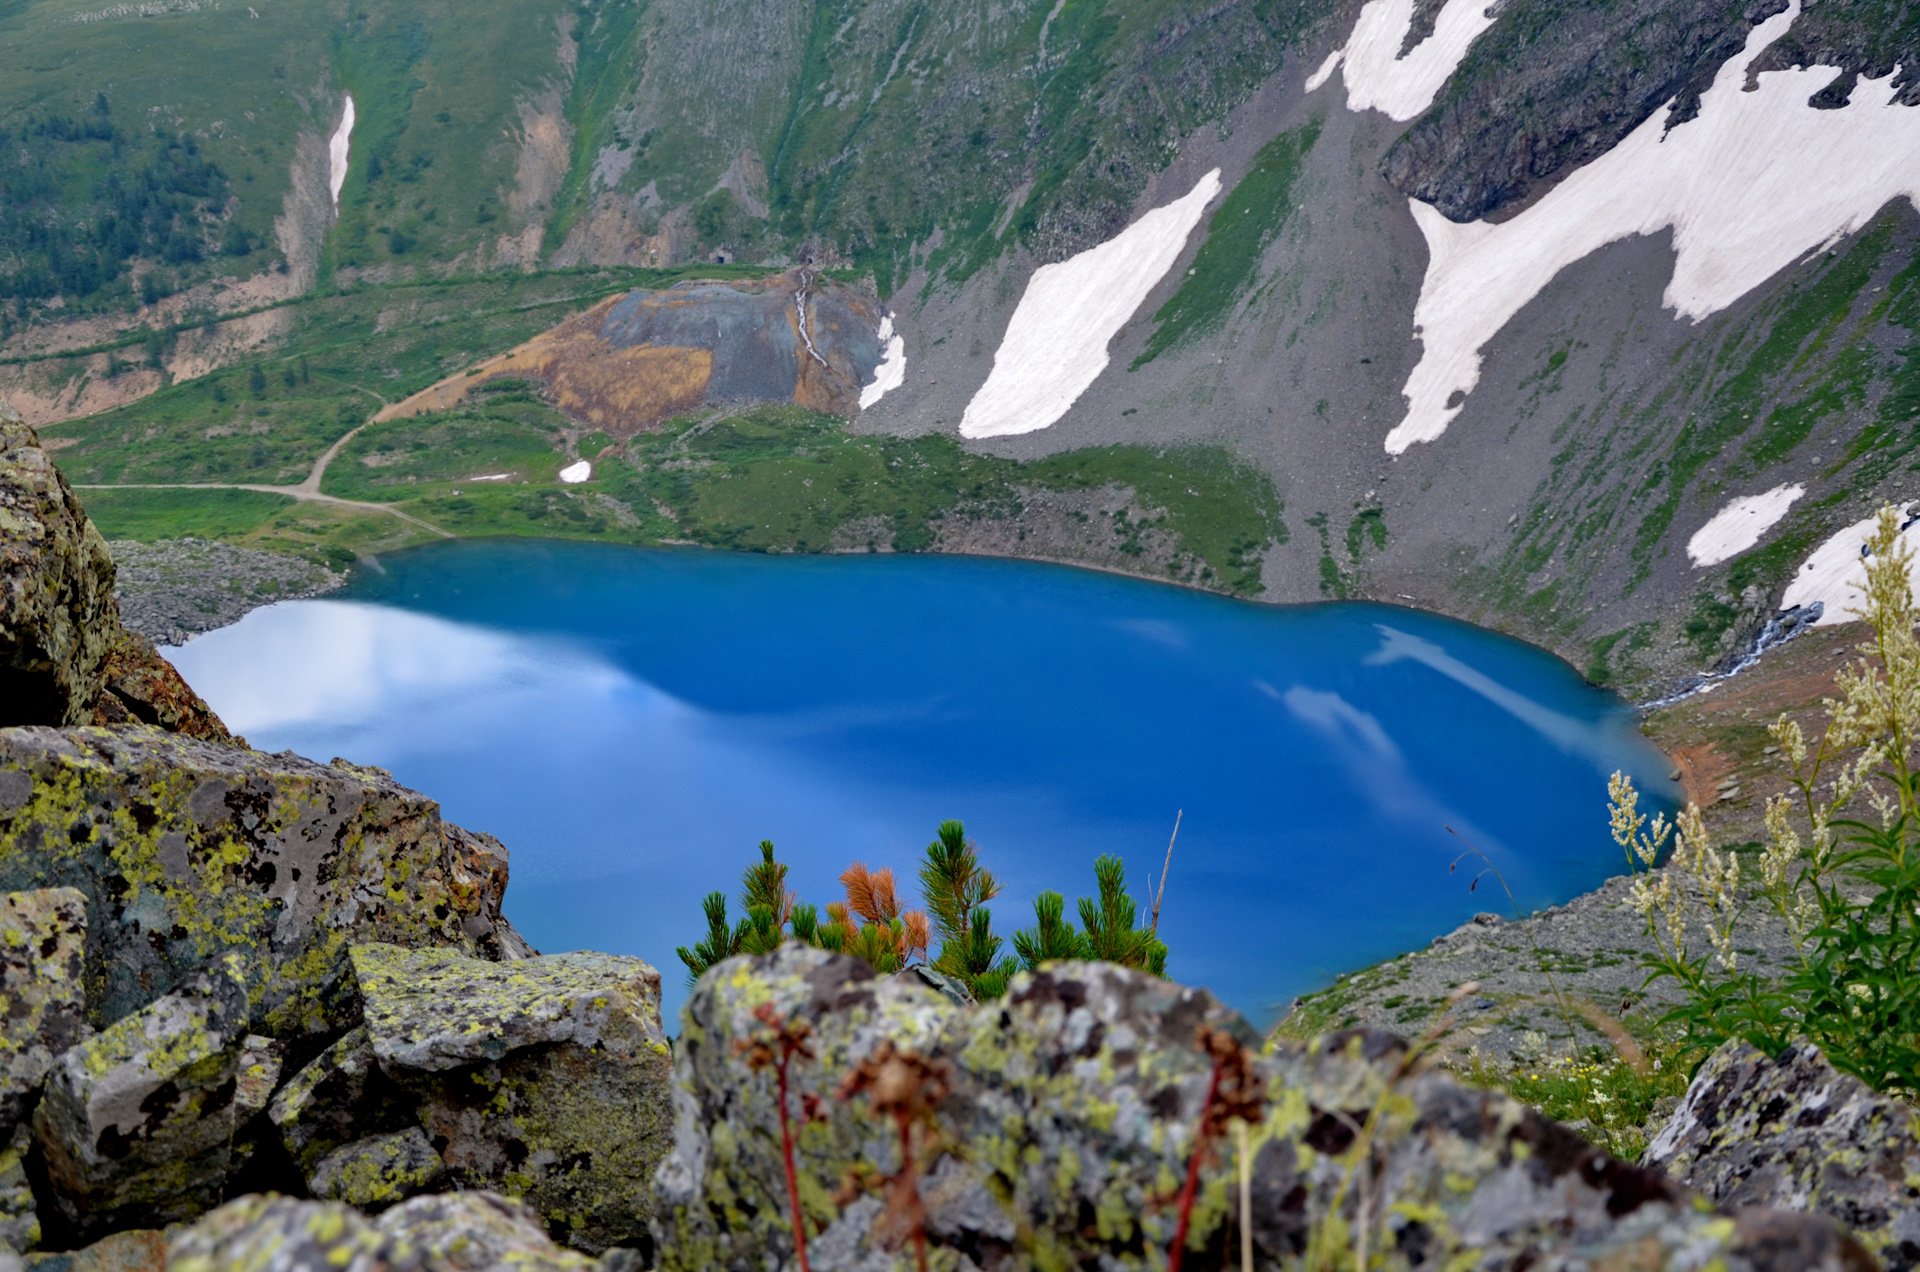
[632, 722]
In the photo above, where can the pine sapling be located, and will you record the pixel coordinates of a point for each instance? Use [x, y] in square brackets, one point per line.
[1051, 938]
[1108, 922]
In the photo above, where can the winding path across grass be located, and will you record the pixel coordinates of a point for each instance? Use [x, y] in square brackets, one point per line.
[305, 491]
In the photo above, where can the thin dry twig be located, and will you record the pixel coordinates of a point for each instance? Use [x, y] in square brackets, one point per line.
[1153, 928]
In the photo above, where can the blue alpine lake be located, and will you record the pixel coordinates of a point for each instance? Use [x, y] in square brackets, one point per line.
[632, 722]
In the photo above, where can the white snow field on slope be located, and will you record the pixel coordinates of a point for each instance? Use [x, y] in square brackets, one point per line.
[1378, 78]
[1056, 342]
[1836, 573]
[574, 474]
[1739, 525]
[892, 371]
[1752, 184]
[337, 153]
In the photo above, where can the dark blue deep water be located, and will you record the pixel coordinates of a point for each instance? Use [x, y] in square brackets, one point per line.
[632, 722]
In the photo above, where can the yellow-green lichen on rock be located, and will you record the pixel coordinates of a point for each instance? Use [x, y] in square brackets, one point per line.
[137, 1123]
[1103, 1068]
[42, 999]
[546, 1079]
[379, 1171]
[58, 615]
[187, 850]
[267, 1233]
[1796, 1132]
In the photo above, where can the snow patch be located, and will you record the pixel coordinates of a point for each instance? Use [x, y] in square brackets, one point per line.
[1378, 78]
[1318, 80]
[1056, 342]
[1739, 525]
[574, 474]
[337, 153]
[892, 371]
[1756, 181]
[491, 477]
[1836, 574]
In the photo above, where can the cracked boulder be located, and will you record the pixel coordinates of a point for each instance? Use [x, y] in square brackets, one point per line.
[339, 1097]
[1797, 1133]
[188, 850]
[1060, 1120]
[546, 1078]
[137, 1123]
[456, 1232]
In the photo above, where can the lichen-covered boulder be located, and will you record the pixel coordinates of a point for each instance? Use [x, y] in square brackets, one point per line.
[379, 1171]
[456, 1232]
[187, 850]
[339, 1097]
[1797, 1133]
[138, 686]
[137, 1123]
[58, 617]
[1063, 1117]
[42, 1001]
[545, 1078]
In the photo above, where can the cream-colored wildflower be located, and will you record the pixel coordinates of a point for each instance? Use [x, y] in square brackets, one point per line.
[1642, 842]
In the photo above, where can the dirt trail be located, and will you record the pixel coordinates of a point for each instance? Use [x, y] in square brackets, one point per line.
[306, 491]
[299, 493]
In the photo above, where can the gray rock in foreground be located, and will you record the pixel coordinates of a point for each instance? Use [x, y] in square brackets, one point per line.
[546, 1078]
[1797, 1133]
[1071, 1117]
[137, 1124]
[458, 1231]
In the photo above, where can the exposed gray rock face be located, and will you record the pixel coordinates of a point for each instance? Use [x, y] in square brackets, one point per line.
[187, 850]
[57, 612]
[1071, 1117]
[136, 1125]
[546, 1078]
[451, 1233]
[1798, 1134]
[42, 1001]
[1551, 86]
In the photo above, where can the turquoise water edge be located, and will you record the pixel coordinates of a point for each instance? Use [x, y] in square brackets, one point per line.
[632, 722]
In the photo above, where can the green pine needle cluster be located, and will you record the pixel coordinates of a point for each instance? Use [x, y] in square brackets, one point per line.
[955, 888]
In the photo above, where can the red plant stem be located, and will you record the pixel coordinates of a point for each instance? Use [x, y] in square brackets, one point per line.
[907, 1168]
[793, 1179]
[1191, 1189]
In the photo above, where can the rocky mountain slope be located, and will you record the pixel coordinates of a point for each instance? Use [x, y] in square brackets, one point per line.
[1507, 302]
